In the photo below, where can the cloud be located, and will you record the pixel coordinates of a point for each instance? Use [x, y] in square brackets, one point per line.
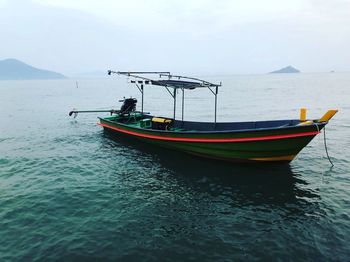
[3, 3]
[181, 14]
[196, 36]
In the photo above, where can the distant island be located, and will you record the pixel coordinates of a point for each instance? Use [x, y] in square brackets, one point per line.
[288, 69]
[13, 69]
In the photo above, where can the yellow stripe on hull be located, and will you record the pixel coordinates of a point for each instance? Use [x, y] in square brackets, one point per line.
[277, 158]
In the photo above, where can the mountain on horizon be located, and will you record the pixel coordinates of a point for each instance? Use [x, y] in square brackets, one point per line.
[287, 69]
[13, 69]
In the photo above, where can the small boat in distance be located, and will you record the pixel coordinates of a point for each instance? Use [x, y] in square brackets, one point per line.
[254, 141]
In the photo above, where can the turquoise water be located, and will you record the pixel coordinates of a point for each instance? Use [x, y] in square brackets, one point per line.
[69, 191]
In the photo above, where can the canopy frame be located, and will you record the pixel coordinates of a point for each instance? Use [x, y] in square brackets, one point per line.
[175, 82]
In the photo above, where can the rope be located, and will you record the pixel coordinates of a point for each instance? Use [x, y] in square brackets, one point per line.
[325, 142]
[325, 146]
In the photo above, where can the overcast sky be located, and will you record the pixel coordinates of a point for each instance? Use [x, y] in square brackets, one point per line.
[196, 36]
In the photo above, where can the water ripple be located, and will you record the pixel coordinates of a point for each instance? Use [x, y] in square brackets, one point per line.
[71, 192]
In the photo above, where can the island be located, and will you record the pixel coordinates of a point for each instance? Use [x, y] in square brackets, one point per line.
[287, 69]
[13, 69]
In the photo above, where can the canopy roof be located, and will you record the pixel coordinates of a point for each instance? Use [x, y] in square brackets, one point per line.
[172, 81]
[178, 84]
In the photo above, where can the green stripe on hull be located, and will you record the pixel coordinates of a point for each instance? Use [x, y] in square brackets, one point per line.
[243, 150]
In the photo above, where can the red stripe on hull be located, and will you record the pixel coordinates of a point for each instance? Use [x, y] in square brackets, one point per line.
[210, 140]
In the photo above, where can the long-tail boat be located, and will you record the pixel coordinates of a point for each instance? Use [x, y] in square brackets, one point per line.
[272, 140]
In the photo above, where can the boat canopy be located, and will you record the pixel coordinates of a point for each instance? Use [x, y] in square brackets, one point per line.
[177, 84]
[171, 81]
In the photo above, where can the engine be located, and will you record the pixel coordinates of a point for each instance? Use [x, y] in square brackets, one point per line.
[128, 106]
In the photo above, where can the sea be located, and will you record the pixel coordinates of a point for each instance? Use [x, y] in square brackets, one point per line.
[71, 192]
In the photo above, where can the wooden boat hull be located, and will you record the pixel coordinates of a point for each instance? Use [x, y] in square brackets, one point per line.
[264, 144]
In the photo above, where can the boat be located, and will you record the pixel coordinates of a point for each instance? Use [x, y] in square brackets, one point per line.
[253, 141]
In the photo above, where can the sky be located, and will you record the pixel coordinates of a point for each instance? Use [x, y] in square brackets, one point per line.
[181, 36]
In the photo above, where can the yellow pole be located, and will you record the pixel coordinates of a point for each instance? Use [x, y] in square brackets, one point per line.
[302, 114]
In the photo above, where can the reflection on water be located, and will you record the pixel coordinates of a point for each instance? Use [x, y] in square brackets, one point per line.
[245, 183]
[221, 207]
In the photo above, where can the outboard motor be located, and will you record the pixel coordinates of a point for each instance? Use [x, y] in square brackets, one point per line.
[128, 106]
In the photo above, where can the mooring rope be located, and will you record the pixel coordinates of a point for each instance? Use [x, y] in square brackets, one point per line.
[325, 142]
[325, 146]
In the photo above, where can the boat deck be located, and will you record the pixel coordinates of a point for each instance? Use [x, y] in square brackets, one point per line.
[138, 121]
